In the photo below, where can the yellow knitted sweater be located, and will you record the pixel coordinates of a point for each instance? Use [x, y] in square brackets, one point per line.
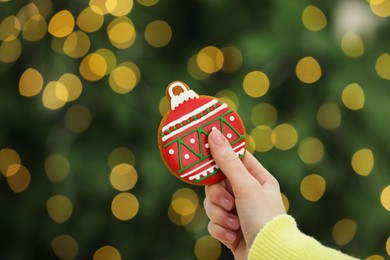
[281, 239]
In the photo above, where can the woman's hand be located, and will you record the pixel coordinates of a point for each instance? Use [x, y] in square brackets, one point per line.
[242, 204]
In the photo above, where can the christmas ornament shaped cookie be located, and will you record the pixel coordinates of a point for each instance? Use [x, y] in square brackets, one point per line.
[184, 130]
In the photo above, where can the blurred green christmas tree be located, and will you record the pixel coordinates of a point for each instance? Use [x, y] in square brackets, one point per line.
[83, 86]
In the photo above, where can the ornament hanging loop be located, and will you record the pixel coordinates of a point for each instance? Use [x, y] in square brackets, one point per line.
[175, 85]
[178, 99]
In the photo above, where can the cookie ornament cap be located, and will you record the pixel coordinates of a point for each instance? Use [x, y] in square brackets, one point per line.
[183, 133]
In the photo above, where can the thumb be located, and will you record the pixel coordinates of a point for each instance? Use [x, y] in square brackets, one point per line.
[229, 162]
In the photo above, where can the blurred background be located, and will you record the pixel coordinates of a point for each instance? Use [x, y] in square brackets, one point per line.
[83, 92]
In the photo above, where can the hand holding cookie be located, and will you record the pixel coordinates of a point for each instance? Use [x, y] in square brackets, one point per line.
[242, 204]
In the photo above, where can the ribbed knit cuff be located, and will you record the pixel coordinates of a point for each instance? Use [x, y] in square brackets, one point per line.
[281, 239]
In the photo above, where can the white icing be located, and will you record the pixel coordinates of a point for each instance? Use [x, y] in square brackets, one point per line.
[166, 137]
[207, 145]
[186, 156]
[197, 168]
[231, 118]
[229, 135]
[240, 152]
[171, 151]
[240, 145]
[192, 140]
[191, 114]
[183, 96]
[204, 173]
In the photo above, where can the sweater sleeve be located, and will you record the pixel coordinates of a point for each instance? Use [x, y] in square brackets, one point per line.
[281, 239]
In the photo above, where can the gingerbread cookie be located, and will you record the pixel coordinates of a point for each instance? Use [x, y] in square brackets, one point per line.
[183, 132]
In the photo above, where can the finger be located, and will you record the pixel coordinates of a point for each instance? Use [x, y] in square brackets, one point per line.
[257, 169]
[228, 161]
[224, 235]
[218, 194]
[220, 216]
[228, 187]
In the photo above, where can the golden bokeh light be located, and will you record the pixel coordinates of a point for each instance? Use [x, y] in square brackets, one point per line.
[107, 253]
[353, 96]
[313, 18]
[382, 65]
[311, 150]
[54, 95]
[89, 21]
[34, 29]
[183, 206]
[100, 6]
[124, 206]
[61, 24]
[9, 28]
[284, 137]
[195, 71]
[77, 44]
[286, 202]
[256, 84]
[388, 245]
[250, 143]
[385, 198]
[30, 82]
[163, 106]
[109, 57]
[27, 11]
[363, 161]
[147, 2]
[180, 220]
[123, 177]
[344, 231]
[45, 7]
[233, 59]
[65, 247]
[352, 45]
[124, 77]
[262, 136]
[59, 208]
[313, 187]
[121, 155]
[182, 209]
[229, 97]
[207, 248]
[20, 180]
[57, 44]
[9, 162]
[56, 167]
[329, 116]
[210, 59]
[121, 8]
[375, 257]
[185, 201]
[121, 32]
[10, 51]
[73, 86]
[308, 70]
[158, 33]
[93, 67]
[77, 119]
[380, 8]
[264, 114]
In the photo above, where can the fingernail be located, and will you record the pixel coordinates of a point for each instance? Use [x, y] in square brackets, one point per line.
[233, 223]
[217, 137]
[226, 204]
[230, 236]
